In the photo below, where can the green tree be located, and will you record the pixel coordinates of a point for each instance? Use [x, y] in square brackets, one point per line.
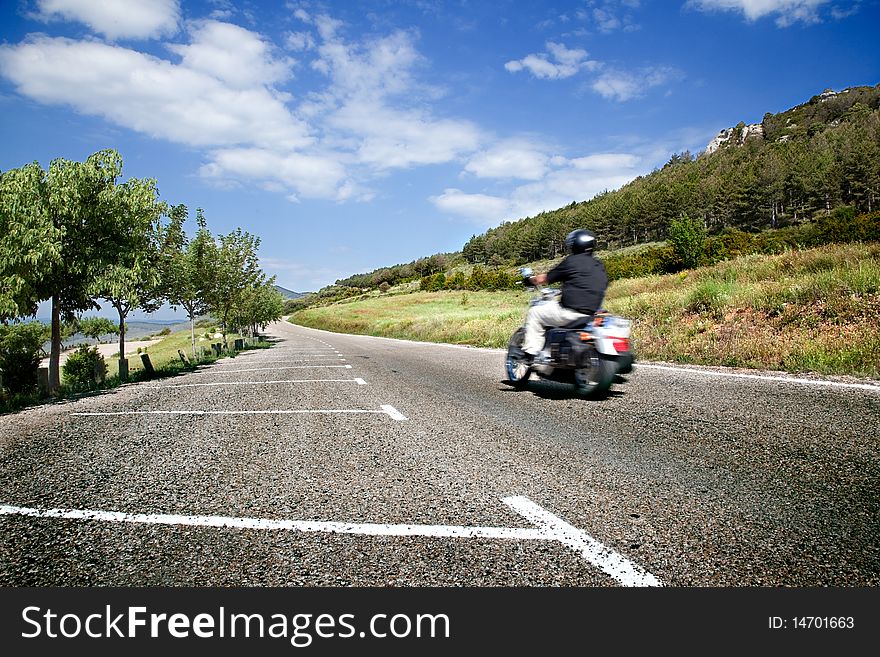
[60, 220]
[187, 272]
[260, 304]
[236, 269]
[134, 248]
[21, 349]
[30, 243]
[688, 238]
[95, 327]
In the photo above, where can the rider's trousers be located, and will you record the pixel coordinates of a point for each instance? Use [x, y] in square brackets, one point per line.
[540, 317]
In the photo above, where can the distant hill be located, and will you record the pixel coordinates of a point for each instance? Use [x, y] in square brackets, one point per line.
[289, 294]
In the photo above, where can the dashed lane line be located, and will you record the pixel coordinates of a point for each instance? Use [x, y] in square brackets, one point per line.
[548, 528]
[359, 381]
[390, 411]
[284, 367]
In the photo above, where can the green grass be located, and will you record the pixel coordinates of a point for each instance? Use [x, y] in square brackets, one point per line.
[164, 353]
[475, 318]
[815, 310]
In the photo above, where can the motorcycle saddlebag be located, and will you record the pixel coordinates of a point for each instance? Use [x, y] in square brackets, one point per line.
[567, 348]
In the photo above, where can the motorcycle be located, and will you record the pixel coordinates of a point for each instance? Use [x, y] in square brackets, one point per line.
[592, 352]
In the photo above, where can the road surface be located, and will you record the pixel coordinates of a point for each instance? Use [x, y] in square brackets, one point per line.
[344, 460]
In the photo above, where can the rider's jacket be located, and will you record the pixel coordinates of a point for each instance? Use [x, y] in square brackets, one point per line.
[584, 281]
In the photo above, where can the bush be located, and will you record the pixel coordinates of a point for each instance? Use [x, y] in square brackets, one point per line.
[84, 368]
[21, 349]
[647, 262]
[688, 238]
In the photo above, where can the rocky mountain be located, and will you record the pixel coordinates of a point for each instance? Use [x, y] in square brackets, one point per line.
[825, 110]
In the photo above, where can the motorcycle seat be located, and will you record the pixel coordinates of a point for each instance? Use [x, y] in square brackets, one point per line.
[580, 322]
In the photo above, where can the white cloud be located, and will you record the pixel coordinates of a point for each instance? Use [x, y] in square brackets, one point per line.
[389, 138]
[483, 208]
[565, 180]
[625, 85]
[787, 12]
[605, 162]
[232, 54]
[148, 94]
[119, 19]
[298, 41]
[510, 159]
[608, 16]
[312, 175]
[374, 105]
[610, 83]
[565, 63]
[223, 95]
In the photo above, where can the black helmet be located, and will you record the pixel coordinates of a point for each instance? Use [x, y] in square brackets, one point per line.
[580, 241]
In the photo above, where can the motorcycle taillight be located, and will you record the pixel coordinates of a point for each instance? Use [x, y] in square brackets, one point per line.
[620, 345]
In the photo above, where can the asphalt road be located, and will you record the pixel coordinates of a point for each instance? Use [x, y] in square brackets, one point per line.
[342, 460]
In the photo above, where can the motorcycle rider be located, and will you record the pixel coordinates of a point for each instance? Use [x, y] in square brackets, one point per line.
[584, 281]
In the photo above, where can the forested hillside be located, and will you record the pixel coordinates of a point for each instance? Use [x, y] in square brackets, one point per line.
[809, 160]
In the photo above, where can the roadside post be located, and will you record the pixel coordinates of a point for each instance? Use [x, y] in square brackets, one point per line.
[148, 366]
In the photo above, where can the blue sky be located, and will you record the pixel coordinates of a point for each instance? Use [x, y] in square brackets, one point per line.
[351, 135]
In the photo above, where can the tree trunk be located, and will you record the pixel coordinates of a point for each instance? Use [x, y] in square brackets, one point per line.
[192, 331]
[55, 350]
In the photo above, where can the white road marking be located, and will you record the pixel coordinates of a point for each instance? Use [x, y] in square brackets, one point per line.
[360, 382]
[549, 528]
[303, 349]
[605, 559]
[286, 367]
[764, 377]
[390, 411]
[314, 357]
[393, 412]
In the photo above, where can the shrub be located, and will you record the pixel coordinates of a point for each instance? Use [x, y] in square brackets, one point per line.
[688, 238]
[84, 367]
[647, 262]
[21, 349]
[709, 296]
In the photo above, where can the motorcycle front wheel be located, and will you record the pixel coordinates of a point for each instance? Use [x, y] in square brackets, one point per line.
[518, 371]
[596, 377]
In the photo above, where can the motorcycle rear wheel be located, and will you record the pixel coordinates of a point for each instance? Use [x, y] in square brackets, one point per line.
[595, 378]
[518, 371]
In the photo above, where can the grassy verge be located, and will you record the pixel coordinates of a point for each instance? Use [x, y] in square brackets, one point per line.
[816, 310]
[163, 356]
[165, 353]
